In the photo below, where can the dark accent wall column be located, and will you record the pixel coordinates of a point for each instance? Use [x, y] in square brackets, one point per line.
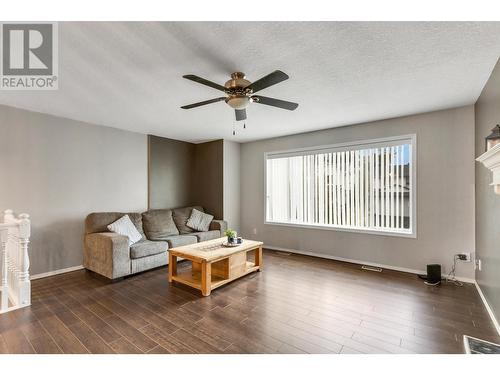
[170, 172]
[208, 177]
[185, 174]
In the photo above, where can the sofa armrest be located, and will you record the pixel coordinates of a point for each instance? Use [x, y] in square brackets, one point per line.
[220, 225]
[107, 254]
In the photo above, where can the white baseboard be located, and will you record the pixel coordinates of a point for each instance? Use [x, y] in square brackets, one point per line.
[355, 261]
[488, 308]
[56, 272]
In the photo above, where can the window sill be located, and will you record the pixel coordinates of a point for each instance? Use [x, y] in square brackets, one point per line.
[384, 232]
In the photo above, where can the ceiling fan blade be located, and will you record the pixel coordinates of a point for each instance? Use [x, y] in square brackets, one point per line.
[194, 105]
[205, 82]
[274, 102]
[271, 79]
[241, 114]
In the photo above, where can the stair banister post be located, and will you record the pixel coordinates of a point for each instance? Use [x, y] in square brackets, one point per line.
[24, 264]
[8, 216]
[4, 302]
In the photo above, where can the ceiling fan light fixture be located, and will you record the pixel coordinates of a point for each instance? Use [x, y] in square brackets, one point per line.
[240, 92]
[238, 101]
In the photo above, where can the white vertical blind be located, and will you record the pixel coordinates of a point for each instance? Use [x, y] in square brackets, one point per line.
[358, 189]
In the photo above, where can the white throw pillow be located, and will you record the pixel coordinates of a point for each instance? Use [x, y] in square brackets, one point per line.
[199, 221]
[125, 227]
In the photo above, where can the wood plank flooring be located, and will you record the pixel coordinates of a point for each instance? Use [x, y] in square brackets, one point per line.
[298, 304]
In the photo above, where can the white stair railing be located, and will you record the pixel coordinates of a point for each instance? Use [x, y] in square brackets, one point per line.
[15, 279]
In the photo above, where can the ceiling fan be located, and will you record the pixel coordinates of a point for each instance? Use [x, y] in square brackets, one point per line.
[239, 92]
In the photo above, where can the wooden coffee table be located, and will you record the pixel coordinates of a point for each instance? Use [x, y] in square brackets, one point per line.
[213, 265]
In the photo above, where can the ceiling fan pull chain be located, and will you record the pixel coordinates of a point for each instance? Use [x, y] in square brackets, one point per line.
[234, 127]
[244, 125]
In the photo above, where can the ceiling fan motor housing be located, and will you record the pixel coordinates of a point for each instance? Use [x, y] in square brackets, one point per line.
[237, 82]
[237, 95]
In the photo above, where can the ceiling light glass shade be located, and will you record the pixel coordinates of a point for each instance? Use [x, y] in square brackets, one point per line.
[238, 102]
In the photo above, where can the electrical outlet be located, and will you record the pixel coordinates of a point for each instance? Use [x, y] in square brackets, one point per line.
[465, 257]
[254, 230]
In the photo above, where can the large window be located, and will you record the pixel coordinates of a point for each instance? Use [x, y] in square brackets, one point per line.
[363, 186]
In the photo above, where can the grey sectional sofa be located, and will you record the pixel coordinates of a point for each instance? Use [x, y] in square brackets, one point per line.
[110, 255]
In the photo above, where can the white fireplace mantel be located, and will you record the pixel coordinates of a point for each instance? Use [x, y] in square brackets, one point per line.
[491, 160]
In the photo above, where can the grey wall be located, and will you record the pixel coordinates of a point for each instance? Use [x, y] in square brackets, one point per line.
[232, 184]
[445, 194]
[58, 171]
[184, 174]
[170, 172]
[487, 203]
[208, 177]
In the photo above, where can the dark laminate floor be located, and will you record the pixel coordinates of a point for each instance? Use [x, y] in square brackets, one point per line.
[298, 304]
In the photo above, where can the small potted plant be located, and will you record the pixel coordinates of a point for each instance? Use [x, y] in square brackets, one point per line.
[231, 236]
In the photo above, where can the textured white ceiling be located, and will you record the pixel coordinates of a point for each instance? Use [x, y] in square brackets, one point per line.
[128, 75]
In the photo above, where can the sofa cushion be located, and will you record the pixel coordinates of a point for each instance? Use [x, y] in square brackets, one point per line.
[159, 224]
[146, 248]
[175, 241]
[181, 217]
[125, 227]
[205, 236]
[97, 222]
[199, 221]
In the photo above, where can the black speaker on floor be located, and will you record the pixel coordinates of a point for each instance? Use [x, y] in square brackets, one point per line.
[433, 274]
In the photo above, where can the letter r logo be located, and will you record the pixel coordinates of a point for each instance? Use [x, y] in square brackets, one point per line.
[27, 49]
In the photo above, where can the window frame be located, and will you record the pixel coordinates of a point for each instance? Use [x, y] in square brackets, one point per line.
[353, 145]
